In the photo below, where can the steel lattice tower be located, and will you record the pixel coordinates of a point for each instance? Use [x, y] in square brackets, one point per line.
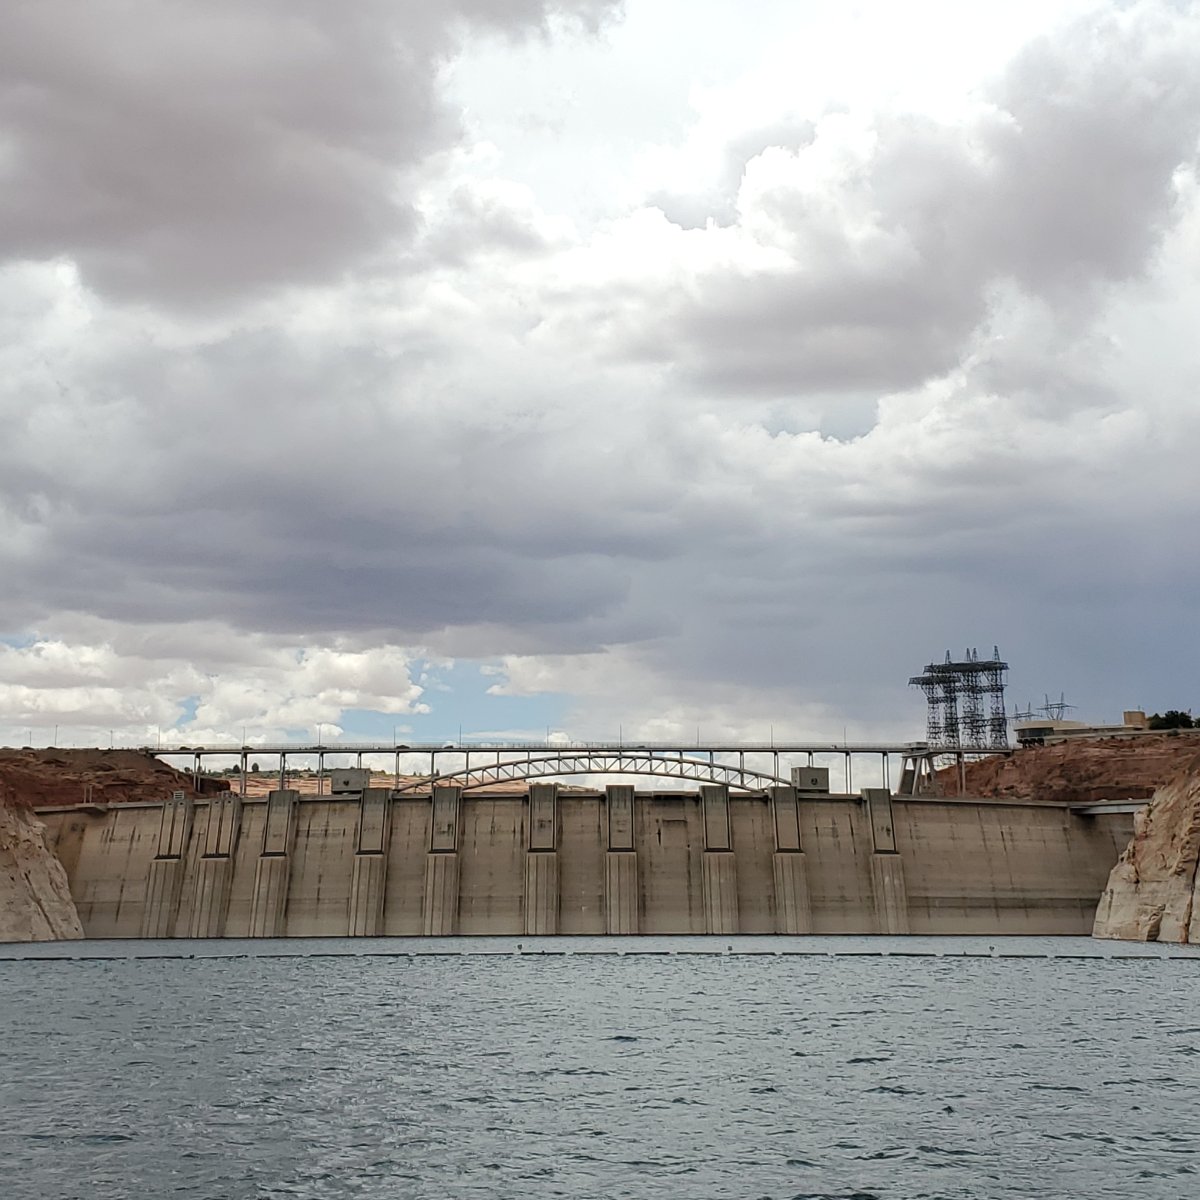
[966, 702]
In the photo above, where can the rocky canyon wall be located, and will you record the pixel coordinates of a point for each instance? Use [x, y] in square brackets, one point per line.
[1153, 893]
[35, 901]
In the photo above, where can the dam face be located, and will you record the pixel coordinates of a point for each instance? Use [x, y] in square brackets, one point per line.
[617, 861]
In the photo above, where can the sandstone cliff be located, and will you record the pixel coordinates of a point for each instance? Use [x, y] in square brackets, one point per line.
[46, 777]
[1153, 893]
[1082, 770]
[35, 902]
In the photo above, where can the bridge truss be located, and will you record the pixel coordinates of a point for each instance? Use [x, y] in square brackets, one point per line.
[595, 762]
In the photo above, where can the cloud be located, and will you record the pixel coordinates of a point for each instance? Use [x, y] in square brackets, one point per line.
[206, 152]
[588, 452]
[149, 686]
[867, 245]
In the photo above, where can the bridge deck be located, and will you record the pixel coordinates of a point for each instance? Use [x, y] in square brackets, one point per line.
[290, 748]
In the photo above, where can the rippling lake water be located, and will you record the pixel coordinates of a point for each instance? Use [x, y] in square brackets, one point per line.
[942, 1069]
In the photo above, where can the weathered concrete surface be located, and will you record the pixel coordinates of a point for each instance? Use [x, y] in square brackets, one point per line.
[793, 910]
[541, 892]
[719, 890]
[270, 897]
[163, 889]
[367, 894]
[887, 867]
[35, 898]
[164, 886]
[268, 904]
[1153, 893]
[620, 892]
[441, 895]
[891, 895]
[613, 862]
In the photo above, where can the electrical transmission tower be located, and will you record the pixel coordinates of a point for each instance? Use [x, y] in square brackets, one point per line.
[966, 702]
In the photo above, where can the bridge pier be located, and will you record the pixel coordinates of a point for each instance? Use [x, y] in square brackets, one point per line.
[440, 911]
[620, 862]
[887, 867]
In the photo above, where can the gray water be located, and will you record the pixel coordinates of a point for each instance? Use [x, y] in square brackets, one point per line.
[943, 1069]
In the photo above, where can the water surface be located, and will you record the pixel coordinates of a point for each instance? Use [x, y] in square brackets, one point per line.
[943, 1068]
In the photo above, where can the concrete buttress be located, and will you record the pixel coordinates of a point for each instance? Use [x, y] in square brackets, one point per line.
[719, 867]
[368, 879]
[887, 867]
[440, 911]
[220, 825]
[268, 904]
[620, 862]
[541, 860]
[165, 880]
[793, 904]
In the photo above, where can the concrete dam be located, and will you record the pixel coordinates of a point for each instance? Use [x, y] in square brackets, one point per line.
[366, 861]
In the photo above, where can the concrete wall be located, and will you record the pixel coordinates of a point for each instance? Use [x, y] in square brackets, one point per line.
[583, 863]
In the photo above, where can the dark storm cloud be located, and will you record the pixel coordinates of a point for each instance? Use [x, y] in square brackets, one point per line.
[200, 152]
[283, 486]
[453, 458]
[1063, 185]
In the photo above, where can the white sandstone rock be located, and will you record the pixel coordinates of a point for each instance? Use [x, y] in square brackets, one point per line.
[35, 901]
[1153, 893]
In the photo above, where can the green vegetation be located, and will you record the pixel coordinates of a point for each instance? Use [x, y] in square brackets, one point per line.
[1172, 719]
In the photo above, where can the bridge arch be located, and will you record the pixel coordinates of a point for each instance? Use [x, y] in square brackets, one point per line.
[605, 762]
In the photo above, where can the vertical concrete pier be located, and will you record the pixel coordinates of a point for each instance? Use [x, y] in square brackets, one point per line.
[793, 904]
[221, 825]
[440, 911]
[165, 880]
[541, 860]
[368, 878]
[268, 903]
[887, 867]
[719, 867]
[620, 862]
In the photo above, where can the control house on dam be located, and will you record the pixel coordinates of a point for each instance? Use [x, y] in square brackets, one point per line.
[720, 855]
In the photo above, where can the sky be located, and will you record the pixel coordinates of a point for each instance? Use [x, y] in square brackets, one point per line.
[673, 369]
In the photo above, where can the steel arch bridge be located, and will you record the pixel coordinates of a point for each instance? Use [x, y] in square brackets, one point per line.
[603, 762]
